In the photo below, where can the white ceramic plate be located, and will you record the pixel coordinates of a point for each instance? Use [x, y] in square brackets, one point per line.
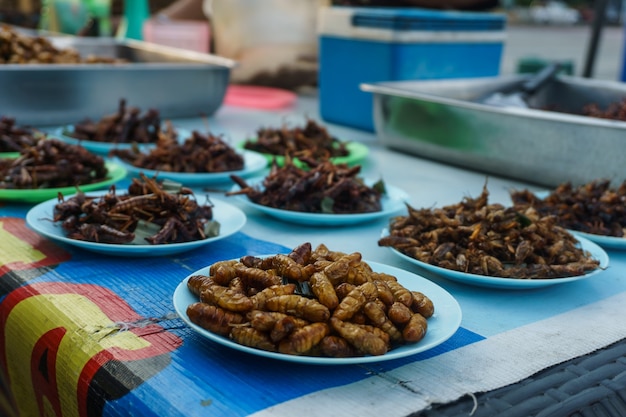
[253, 163]
[103, 148]
[510, 283]
[441, 326]
[392, 202]
[39, 218]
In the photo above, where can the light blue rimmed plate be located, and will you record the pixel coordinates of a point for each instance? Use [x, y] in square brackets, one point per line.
[39, 218]
[609, 242]
[103, 148]
[510, 283]
[441, 325]
[116, 173]
[253, 163]
[392, 202]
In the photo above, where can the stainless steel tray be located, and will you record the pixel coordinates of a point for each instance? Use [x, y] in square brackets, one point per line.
[176, 82]
[438, 120]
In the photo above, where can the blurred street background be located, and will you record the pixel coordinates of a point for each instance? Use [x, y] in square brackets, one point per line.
[536, 30]
[568, 43]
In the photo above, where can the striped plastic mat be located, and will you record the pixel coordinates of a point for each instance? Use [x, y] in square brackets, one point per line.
[593, 385]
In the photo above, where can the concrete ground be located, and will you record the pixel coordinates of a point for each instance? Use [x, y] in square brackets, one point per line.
[568, 43]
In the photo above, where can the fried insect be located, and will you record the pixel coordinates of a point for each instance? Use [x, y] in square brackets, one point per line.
[258, 278]
[213, 318]
[378, 317]
[415, 329]
[399, 313]
[360, 338]
[337, 347]
[251, 337]
[223, 272]
[355, 300]
[299, 306]
[260, 299]
[422, 304]
[303, 339]
[324, 290]
[226, 298]
[266, 320]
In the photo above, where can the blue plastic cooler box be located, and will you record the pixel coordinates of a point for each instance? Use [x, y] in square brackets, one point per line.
[371, 44]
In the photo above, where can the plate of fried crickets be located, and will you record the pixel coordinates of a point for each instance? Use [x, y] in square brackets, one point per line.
[36, 195]
[593, 250]
[227, 220]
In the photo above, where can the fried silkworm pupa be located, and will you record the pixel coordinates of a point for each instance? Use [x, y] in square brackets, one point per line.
[296, 305]
[213, 318]
[290, 269]
[223, 272]
[355, 299]
[285, 326]
[422, 304]
[415, 329]
[399, 313]
[337, 347]
[259, 299]
[249, 336]
[226, 298]
[258, 278]
[324, 290]
[400, 293]
[304, 339]
[363, 340]
[379, 319]
[302, 253]
[197, 283]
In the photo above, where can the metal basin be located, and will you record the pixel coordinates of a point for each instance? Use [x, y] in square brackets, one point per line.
[176, 82]
[439, 120]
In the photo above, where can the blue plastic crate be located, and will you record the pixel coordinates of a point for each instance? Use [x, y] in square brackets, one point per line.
[370, 44]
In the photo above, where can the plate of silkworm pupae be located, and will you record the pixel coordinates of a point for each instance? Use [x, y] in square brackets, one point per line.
[322, 307]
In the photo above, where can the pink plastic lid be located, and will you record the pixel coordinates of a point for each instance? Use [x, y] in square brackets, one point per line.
[258, 97]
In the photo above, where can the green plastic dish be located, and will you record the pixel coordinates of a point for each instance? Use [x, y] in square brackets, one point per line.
[357, 153]
[116, 173]
[9, 155]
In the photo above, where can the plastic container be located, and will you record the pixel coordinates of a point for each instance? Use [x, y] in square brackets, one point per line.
[185, 34]
[371, 44]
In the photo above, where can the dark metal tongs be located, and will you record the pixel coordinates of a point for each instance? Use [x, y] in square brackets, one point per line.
[519, 96]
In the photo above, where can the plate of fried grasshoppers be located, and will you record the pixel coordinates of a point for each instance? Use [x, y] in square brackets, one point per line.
[324, 195]
[492, 245]
[594, 210]
[295, 144]
[298, 321]
[106, 222]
